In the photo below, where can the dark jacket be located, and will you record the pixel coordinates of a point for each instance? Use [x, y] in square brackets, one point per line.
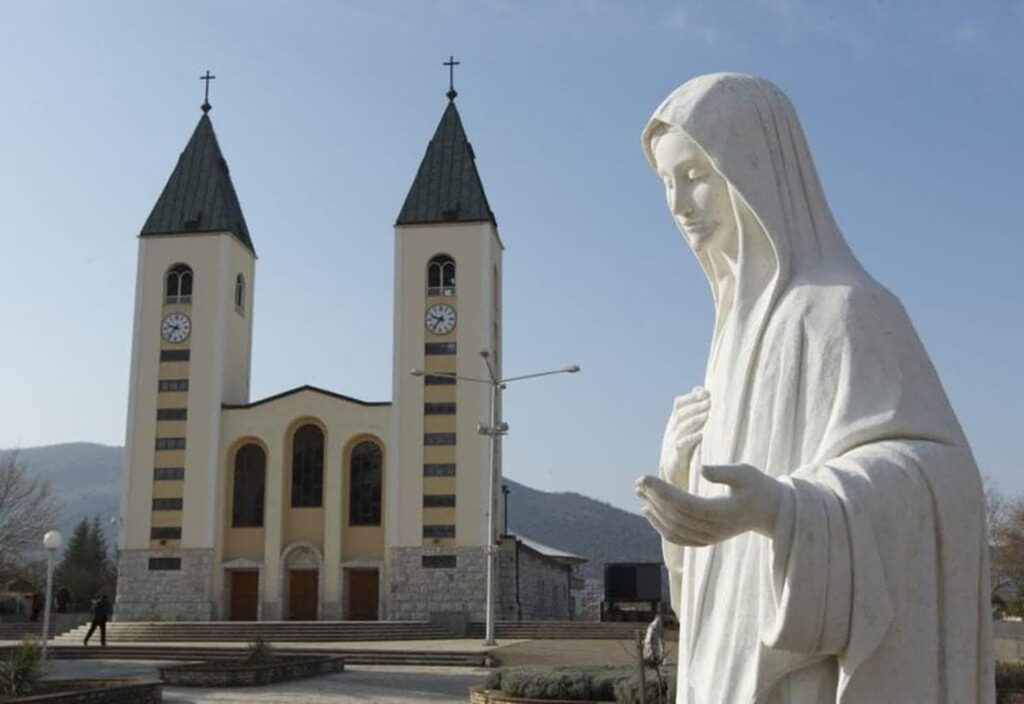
[101, 611]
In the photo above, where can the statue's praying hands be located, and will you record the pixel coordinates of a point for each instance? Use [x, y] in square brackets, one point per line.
[682, 435]
[685, 518]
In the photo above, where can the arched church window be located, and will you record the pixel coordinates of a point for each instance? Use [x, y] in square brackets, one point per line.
[250, 483]
[240, 293]
[178, 287]
[364, 493]
[441, 276]
[307, 467]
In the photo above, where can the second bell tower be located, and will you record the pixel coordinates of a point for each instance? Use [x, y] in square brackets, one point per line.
[448, 258]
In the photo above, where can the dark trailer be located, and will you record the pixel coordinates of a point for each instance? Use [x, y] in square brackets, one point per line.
[632, 591]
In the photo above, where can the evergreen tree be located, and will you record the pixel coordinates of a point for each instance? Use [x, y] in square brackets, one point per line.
[85, 569]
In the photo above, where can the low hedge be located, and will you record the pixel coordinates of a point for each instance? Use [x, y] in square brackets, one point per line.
[1010, 676]
[579, 684]
[622, 685]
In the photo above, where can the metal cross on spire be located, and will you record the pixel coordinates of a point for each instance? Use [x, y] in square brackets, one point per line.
[205, 107]
[451, 63]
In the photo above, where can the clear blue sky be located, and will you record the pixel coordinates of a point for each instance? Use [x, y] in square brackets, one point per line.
[913, 110]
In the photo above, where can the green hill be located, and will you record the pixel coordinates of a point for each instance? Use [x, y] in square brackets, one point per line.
[87, 481]
[581, 525]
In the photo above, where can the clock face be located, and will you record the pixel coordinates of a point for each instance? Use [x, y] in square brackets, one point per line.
[440, 319]
[176, 327]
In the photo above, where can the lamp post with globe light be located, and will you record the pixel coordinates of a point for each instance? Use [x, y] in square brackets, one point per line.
[493, 429]
[52, 542]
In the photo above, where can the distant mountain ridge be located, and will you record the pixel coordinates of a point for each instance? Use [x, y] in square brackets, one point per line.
[579, 524]
[86, 478]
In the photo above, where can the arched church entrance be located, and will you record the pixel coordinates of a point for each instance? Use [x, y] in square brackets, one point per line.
[301, 572]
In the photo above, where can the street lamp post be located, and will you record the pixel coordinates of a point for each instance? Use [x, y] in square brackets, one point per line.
[493, 430]
[52, 542]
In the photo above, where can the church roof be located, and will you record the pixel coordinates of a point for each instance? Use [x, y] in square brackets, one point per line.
[447, 187]
[199, 195]
[300, 389]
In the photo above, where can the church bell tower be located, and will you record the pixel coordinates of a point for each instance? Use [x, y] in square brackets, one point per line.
[191, 346]
[448, 258]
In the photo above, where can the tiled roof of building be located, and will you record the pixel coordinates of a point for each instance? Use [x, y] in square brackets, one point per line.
[199, 195]
[447, 187]
[553, 553]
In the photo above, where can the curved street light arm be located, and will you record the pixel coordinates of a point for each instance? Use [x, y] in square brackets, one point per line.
[567, 370]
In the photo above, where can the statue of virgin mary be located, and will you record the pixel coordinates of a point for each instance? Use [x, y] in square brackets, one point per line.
[822, 516]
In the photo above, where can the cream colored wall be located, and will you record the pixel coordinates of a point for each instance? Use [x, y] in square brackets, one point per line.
[476, 248]
[273, 424]
[218, 371]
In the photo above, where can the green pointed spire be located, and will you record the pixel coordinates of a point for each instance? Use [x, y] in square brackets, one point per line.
[199, 195]
[447, 187]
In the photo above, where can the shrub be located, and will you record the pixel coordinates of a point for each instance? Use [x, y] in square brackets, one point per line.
[260, 652]
[571, 686]
[573, 683]
[568, 683]
[627, 689]
[1010, 676]
[21, 671]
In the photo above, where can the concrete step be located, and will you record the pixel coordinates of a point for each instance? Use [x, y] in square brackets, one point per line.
[352, 656]
[548, 630]
[17, 631]
[280, 631]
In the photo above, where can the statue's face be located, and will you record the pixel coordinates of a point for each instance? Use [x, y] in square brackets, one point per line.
[697, 194]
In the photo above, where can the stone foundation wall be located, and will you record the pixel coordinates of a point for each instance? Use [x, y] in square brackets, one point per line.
[164, 595]
[508, 604]
[543, 588]
[532, 588]
[414, 592]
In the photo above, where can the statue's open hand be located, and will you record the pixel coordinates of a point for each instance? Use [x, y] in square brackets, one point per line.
[752, 503]
[683, 434]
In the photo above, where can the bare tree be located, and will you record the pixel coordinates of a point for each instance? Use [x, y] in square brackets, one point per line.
[996, 509]
[1005, 517]
[28, 509]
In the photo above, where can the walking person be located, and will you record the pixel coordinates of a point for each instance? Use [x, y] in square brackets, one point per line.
[63, 599]
[100, 614]
[36, 600]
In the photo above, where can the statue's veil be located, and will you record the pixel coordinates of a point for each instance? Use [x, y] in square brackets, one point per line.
[750, 133]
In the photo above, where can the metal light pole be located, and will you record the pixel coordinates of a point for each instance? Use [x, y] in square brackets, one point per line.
[493, 430]
[52, 542]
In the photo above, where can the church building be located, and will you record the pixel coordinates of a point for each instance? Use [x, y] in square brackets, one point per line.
[310, 504]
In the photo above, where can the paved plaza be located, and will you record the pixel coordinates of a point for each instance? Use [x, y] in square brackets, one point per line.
[364, 684]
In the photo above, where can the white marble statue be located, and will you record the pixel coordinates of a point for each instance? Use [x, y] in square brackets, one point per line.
[821, 512]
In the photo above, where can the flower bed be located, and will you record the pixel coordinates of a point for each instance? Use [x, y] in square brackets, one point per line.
[121, 691]
[219, 673]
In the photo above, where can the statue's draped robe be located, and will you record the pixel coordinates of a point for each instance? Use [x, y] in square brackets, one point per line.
[874, 587]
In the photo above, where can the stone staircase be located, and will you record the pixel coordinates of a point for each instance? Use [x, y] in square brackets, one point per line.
[353, 656]
[26, 629]
[273, 631]
[562, 630]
